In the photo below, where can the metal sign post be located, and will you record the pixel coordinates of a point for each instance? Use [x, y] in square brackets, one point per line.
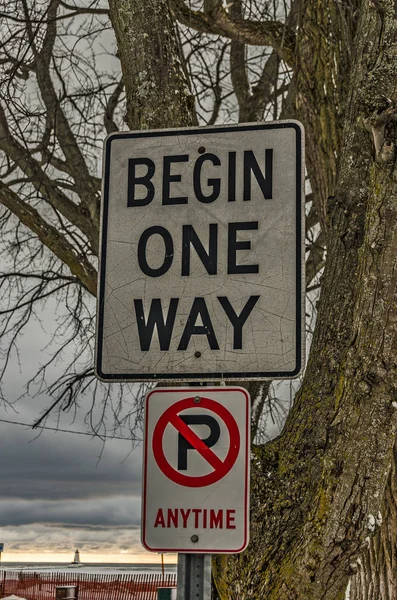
[194, 573]
[194, 577]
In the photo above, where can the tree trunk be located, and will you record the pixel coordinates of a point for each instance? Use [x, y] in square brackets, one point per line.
[317, 489]
[158, 94]
[375, 571]
[325, 34]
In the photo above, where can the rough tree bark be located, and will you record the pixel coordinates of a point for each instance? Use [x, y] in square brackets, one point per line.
[374, 572]
[319, 486]
[158, 93]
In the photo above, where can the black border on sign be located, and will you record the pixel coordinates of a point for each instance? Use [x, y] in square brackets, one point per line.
[299, 271]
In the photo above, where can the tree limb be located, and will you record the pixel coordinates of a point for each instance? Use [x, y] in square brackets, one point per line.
[238, 70]
[74, 157]
[43, 183]
[50, 237]
[85, 10]
[315, 261]
[110, 125]
[257, 33]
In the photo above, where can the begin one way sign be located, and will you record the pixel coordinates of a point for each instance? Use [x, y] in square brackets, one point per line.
[196, 470]
[202, 255]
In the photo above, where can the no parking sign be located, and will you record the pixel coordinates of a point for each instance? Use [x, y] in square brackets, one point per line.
[196, 470]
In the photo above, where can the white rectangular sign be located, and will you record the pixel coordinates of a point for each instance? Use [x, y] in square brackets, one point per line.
[196, 470]
[202, 256]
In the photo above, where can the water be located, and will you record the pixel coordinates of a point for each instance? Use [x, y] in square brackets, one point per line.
[103, 568]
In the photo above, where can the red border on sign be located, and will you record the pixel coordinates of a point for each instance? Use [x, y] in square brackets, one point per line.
[198, 390]
[170, 417]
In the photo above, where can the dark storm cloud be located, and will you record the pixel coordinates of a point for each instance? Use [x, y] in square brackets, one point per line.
[95, 528]
[59, 466]
[102, 512]
[44, 538]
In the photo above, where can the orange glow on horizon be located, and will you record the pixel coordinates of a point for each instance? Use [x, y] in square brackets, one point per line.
[87, 558]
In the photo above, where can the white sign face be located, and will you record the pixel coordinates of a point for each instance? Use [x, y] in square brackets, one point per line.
[202, 257]
[196, 470]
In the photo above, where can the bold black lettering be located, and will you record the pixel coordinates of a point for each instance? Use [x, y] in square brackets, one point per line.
[184, 445]
[234, 246]
[231, 178]
[210, 259]
[133, 181]
[168, 178]
[199, 308]
[168, 254]
[236, 320]
[265, 183]
[155, 319]
[214, 183]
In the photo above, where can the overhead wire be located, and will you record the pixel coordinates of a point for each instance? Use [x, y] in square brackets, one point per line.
[92, 435]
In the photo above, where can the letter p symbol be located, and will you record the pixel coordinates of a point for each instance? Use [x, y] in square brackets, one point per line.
[184, 445]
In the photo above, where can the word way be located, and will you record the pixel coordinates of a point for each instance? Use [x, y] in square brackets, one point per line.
[199, 311]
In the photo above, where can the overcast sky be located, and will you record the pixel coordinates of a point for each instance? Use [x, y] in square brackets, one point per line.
[61, 491]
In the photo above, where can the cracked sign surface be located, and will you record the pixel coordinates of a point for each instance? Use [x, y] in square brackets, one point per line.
[201, 266]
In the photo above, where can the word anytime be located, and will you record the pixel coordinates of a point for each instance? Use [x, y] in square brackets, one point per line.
[197, 518]
[213, 184]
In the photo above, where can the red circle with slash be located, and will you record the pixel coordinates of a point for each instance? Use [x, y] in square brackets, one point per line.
[221, 468]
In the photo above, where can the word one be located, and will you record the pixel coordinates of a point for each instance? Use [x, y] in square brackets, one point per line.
[201, 256]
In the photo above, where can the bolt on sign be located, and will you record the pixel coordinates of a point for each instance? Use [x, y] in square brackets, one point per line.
[195, 494]
[202, 257]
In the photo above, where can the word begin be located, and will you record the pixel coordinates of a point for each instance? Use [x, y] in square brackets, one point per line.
[142, 190]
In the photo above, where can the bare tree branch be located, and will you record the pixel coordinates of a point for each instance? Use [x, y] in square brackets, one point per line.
[110, 108]
[78, 168]
[220, 22]
[238, 70]
[43, 183]
[51, 237]
[82, 10]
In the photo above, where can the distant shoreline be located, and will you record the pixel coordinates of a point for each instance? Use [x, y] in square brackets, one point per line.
[87, 564]
[93, 568]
